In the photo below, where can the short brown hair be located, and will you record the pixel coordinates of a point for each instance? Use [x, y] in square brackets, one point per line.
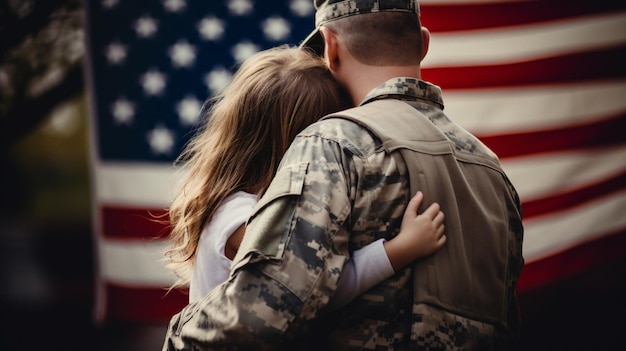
[381, 39]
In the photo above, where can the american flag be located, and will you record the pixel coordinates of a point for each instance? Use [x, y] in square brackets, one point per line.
[543, 83]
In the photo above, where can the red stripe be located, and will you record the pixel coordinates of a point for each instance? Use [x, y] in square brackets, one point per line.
[153, 305]
[444, 18]
[584, 257]
[600, 64]
[133, 223]
[574, 198]
[136, 304]
[603, 133]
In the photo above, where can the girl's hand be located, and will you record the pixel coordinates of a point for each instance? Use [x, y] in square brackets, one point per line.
[420, 234]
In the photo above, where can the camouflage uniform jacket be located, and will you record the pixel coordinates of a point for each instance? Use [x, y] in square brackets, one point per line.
[338, 189]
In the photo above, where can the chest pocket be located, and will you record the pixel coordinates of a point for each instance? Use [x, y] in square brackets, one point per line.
[271, 231]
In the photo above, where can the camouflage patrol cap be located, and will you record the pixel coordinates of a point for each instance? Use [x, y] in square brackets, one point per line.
[331, 10]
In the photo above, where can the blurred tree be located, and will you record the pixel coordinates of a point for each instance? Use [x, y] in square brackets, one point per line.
[41, 54]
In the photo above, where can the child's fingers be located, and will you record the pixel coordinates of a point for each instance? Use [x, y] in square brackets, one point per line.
[432, 211]
[440, 230]
[439, 217]
[414, 204]
[442, 240]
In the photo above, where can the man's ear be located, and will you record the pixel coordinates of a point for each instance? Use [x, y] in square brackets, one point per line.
[425, 42]
[330, 48]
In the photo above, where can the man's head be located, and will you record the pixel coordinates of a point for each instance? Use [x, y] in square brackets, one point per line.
[375, 32]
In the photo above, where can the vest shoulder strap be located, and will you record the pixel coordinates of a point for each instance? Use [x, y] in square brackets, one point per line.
[397, 124]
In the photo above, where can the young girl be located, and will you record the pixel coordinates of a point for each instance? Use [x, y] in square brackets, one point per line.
[230, 163]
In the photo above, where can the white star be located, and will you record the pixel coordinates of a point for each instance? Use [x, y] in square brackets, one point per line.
[189, 110]
[302, 8]
[182, 54]
[107, 4]
[217, 79]
[240, 7]
[153, 82]
[241, 51]
[174, 5]
[276, 28]
[123, 111]
[146, 26]
[116, 53]
[161, 140]
[211, 28]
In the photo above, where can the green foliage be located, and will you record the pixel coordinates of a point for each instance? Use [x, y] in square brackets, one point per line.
[47, 183]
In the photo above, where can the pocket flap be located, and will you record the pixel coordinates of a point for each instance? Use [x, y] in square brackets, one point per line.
[267, 236]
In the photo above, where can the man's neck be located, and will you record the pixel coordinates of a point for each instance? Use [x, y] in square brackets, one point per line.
[362, 79]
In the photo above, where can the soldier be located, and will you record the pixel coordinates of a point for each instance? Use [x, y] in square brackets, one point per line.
[344, 183]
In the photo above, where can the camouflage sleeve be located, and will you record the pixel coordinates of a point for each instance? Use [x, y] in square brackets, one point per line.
[289, 262]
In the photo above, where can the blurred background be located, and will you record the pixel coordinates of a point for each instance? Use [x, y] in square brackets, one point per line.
[48, 259]
[60, 286]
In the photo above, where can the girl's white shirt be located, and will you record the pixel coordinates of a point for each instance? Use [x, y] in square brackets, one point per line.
[367, 267]
[212, 266]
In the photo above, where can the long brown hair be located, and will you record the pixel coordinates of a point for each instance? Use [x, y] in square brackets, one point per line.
[274, 95]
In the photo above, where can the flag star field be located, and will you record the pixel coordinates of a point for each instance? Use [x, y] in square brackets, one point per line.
[156, 62]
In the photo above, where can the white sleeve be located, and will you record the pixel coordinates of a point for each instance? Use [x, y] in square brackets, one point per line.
[367, 267]
[211, 266]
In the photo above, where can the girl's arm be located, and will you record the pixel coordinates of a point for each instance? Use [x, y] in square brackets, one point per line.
[233, 242]
[420, 236]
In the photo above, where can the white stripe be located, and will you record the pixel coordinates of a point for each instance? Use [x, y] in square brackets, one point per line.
[541, 176]
[135, 184]
[559, 172]
[495, 111]
[526, 42]
[545, 236]
[134, 263]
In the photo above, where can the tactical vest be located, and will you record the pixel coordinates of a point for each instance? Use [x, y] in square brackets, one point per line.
[474, 275]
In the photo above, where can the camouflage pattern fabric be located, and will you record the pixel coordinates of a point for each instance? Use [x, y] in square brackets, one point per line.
[336, 191]
[329, 10]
